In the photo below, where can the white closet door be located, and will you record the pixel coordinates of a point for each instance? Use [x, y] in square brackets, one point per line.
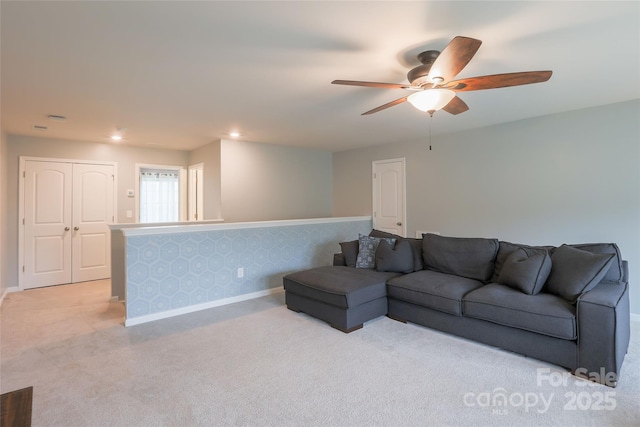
[92, 213]
[47, 207]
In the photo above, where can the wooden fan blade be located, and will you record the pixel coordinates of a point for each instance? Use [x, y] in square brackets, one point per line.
[455, 56]
[371, 84]
[499, 80]
[385, 106]
[456, 106]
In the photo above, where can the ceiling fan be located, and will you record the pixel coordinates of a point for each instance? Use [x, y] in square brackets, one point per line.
[433, 81]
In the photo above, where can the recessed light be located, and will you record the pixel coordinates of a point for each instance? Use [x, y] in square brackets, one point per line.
[116, 137]
[40, 127]
[234, 134]
[57, 118]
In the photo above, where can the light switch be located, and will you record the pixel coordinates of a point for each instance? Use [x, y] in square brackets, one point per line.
[130, 193]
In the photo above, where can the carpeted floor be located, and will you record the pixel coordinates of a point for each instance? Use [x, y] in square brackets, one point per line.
[256, 363]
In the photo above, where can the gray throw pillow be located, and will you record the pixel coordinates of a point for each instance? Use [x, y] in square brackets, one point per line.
[526, 269]
[468, 257]
[574, 271]
[416, 246]
[350, 252]
[506, 249]
[396, 260]
[615, 274]
[367, 247]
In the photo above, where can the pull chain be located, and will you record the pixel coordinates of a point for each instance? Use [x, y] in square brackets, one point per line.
[430, 119]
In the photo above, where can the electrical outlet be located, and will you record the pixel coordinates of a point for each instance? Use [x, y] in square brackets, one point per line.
[240, 272]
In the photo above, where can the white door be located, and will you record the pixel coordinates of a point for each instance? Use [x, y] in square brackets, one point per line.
[47, 220]
[67, 209]
[92, 212]
[389, 196]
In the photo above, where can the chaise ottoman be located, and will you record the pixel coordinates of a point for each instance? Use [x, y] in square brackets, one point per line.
[344, 297]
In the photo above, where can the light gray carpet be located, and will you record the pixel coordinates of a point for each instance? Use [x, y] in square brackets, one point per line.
[256, 363]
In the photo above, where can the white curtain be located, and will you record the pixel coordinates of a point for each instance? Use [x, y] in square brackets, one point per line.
[159, 196]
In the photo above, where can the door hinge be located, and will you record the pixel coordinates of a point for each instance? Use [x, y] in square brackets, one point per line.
[24, 174]
[22, 221]
[23, 268]
[375, 175]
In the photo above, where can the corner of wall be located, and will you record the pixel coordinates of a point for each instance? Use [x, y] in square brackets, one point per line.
[3, 218]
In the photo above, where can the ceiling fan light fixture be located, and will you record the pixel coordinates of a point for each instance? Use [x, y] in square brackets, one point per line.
[431, 99]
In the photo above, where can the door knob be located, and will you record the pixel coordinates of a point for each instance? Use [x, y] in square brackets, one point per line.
[76, 228]
[66, 229]
[398, 223]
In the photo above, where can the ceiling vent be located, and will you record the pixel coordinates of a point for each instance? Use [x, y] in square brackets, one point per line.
[39, 127]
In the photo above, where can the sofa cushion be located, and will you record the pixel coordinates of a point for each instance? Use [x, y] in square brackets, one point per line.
[542, 313]
[615, 274]
[416, 246]
[468, 257]
[505, 249]
[398, 259]
[367, 247]
[526, 270]
[339, 286]
[574, 271]
[431, 289]
[350, 252]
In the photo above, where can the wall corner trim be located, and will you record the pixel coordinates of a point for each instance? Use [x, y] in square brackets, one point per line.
[7, 291]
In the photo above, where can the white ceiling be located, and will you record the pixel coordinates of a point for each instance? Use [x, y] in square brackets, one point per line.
[182, 74]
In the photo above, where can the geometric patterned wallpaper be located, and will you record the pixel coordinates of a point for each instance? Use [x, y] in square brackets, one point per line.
[172, 271]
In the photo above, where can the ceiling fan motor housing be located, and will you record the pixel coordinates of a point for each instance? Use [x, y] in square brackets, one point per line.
[418, 75]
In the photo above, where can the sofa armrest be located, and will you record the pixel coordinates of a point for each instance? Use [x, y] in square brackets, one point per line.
[603, 332]
[338, 259]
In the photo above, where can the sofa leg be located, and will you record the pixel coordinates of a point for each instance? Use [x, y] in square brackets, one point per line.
[349, 330]
[396, 318]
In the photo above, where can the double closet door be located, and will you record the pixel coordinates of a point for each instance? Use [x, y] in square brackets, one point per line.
[67, 209]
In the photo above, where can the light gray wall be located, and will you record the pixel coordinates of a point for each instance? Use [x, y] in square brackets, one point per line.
[209, 155]
[125, 156]
[564, 178]
[4, 284]
[267, 182]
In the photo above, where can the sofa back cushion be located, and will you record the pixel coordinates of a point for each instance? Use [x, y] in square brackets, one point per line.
[526, 270]
[575, 271]
[416, 246]
[469, 257]
[350, 252]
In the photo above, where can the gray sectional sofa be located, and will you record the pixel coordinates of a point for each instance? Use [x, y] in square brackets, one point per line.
[568, 305]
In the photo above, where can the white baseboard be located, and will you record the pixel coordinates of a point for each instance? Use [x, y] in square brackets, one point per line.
[635, 317]
[198, 307]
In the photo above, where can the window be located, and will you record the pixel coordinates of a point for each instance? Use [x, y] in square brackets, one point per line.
[160, 193]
